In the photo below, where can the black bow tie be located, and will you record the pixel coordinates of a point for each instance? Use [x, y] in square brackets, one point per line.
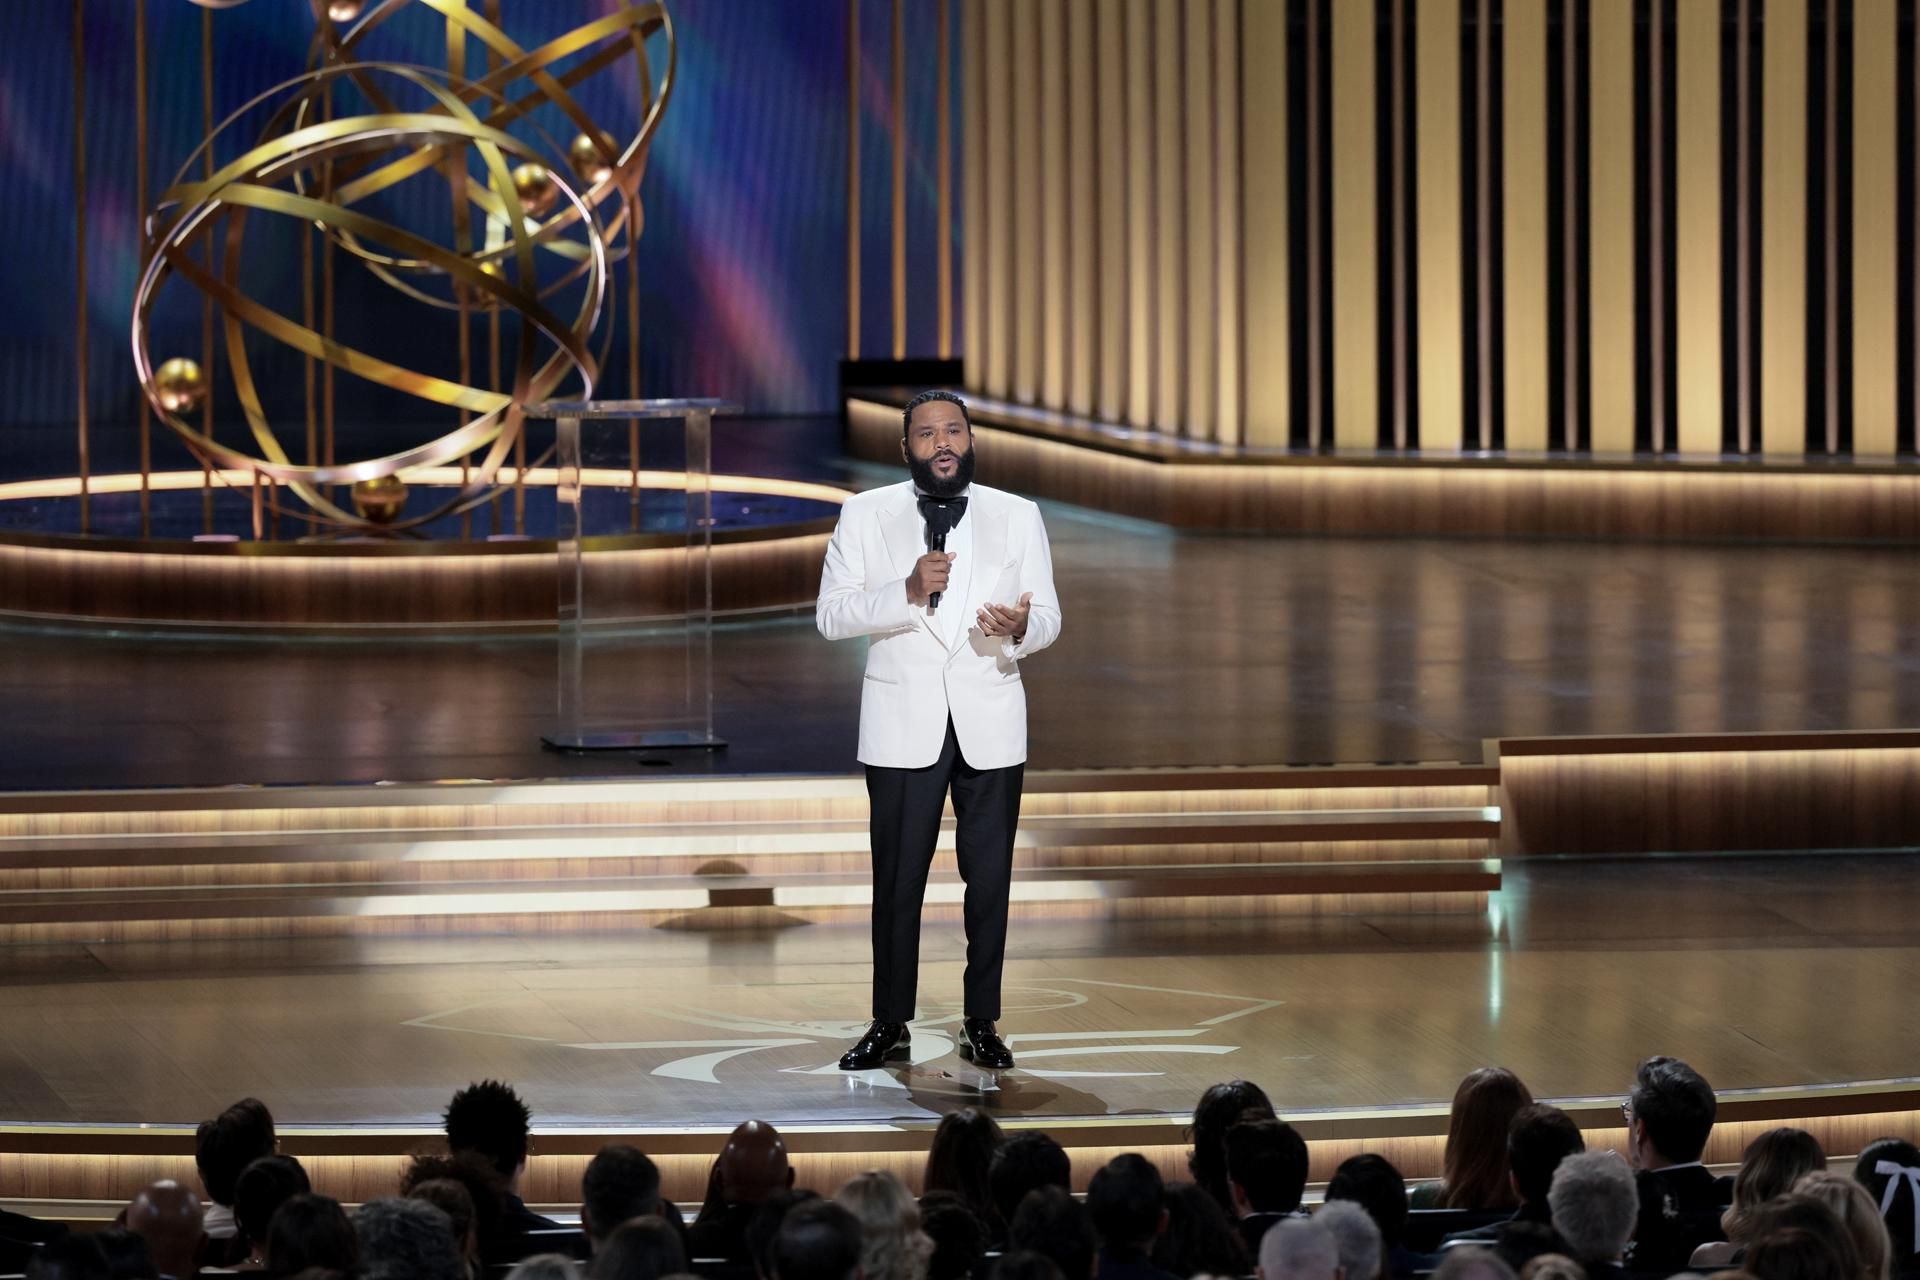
[942, 514]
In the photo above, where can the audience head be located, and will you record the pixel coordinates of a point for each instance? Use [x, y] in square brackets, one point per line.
[1023, 1163]
[647, 1248]
[1052, 1222]
[1594, 1204]
[263, 1187]
[1126, 1201]
[1773, 1162]
[456, 1201]
[1025, 1264]
[544, 1266]
[1299, 1249]
[1372, 1182]
[753, 1165]
[311, 1231]
[1470, 1263]
[1858, 1212]
[765, 1225]
[167, 1216]
[1540, 1137]
[620, 1183]
[127, 1255]
[818, 1240]
[472, 1170]
[1552, 1266]
[1669, 1114]
[1266, 1166]
[72, 1257]
[1357, 1238]
[959, 1237]
[892, 1246]
[228, 1143]
[1891, 1162]
[1200, 1238]
[406, 1240]
[490, 1119]
[1219, 1109]
[1798, 1237]
[1474, 1169]
[962, 1157]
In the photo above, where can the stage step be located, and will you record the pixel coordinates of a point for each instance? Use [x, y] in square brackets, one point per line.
[725, 852]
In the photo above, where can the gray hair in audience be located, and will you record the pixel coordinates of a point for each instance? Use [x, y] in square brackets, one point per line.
[1471, 1262]
[1594, 1205]
[544, 1266]
[1355, 1235]
[407, 1240]
[1552, 1266]
[1299, 1249]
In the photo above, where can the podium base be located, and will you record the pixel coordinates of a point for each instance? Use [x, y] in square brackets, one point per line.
[649, 740]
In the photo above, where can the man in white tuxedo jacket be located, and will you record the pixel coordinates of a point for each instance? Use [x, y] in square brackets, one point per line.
[952, 585]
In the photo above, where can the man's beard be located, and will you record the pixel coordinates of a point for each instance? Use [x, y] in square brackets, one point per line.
[930, 483]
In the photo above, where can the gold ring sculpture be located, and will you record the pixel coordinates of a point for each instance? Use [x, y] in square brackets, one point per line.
[323, 171]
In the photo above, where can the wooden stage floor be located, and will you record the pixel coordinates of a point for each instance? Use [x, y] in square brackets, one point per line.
[1764, 972]
[1178, 650]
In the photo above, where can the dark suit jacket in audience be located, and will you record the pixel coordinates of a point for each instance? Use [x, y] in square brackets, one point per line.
[722, 1236]
[1679, 1211]
[1490, 1233]
[1130, 1266]
[1254, 1226]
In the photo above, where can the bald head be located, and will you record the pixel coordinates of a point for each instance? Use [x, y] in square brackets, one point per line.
[167, 1216]
[1299, 1249]
[753, 1164]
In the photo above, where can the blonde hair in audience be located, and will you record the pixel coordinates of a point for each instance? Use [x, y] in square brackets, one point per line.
[1772, 1163]
[1858, 1213]
[892, 1246]
[1552, 1266]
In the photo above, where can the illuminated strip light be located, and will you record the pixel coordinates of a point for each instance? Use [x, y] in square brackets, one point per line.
[601, 477]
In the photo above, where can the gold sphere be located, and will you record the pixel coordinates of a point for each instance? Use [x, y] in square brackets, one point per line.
[180, 385]
[538, 191]
[380, 499]
[588, 161]
[345, 10]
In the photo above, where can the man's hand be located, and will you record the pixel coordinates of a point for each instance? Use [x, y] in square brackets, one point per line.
[1006, 620]
[929, 575]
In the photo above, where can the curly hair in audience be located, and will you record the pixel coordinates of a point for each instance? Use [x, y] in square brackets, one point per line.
[892, 1246]
[1772, 1163]
[1594, 1203]
[407, 1240]
[1552, 1266]
[490, 1118]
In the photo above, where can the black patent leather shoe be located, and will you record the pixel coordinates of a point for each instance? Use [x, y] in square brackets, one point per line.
[884, 1042]
[981, 1045]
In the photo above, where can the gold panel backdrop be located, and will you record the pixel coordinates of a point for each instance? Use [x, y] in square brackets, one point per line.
[1379, 224]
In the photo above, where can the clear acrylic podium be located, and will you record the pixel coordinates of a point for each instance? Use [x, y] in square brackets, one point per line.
[635, 539]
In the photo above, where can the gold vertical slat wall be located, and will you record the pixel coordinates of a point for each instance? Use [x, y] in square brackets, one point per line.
[1137, 261]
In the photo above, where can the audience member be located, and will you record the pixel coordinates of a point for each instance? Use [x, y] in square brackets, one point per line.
[127, 1255]
[544, 1266]
[1025, 1162]
[1358, 1240]
[1026, 1264]
[1552, 1266]
[961, 1158]
[1594, 1203]
[959, 1236]
[311, 1231]
[168, 1217]
[1859, 1213]
[1266, 1175]
[752, 1166]
[621, 1183]
[71, 1257]
[766, 1225]
[892, 1246]
[1540, 1137]
[406, 1240]
[1474, 1169]
[1200, 1238]
[1126, 1200]
[818, 1240]
[1889, 1169]
[1372, 1182]
[1669, 1116]
[1520, 1242]
[222, 1148]
[486, 1197]
[646, 1248]
[1219, 1109]
[456, 1201]
[1798, 1237]
[490, 1120]
[1299, 1249]
[1471, 1263]
[21, 1238]
[1772, 1163]
[1052, 1222]
[263, 1187]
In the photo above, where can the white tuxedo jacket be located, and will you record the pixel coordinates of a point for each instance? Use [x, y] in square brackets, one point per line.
[915, 677]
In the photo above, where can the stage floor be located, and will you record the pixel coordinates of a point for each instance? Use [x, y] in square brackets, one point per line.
[1764, 972]
[1177, 650]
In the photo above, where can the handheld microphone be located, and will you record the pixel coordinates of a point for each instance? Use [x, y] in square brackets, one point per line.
[936, 542]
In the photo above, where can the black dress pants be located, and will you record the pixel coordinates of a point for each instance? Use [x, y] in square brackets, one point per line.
[906, 806]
